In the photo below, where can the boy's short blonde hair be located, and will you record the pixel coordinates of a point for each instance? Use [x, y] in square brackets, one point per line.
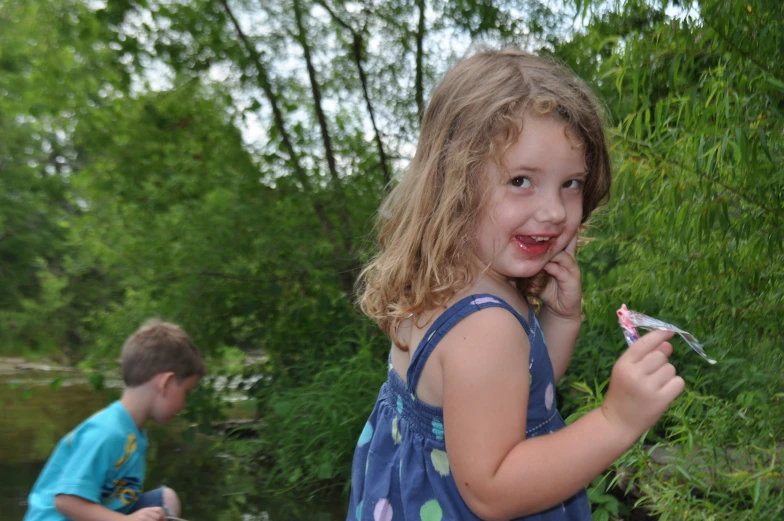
[159, 347]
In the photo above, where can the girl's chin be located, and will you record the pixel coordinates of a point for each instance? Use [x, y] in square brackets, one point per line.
[529, 273]
[532, 268]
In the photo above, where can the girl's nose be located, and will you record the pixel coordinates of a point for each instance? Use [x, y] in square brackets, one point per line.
[551, 209]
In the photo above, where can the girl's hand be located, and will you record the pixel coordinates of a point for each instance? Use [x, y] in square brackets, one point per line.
[643, 384]
[148, 514]
[563, 293]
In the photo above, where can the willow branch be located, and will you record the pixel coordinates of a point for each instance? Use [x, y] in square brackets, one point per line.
[419, 82]
[746, 56]
[358, 45]
[734, 191]
[266, 86]
[322, 120]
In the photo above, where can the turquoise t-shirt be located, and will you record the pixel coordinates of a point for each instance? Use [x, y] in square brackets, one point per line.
[101, 460]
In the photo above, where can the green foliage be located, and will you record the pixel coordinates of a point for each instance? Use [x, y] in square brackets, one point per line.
[46, 78]
[310, 429]
[724, 461]
[693, 236]
[604, 505]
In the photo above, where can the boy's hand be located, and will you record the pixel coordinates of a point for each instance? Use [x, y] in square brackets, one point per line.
[643, 384]
[148, 514]
[563, 294]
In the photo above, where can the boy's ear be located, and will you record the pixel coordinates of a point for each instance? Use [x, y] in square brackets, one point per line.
[163, 381]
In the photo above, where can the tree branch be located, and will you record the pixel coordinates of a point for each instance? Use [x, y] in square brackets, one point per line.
[299, 171]
[382, 156]
[322, 119]
[357, 46]
[419, 82]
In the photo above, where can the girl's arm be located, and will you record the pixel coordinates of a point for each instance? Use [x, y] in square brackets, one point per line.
[502, 475]
[561, 315]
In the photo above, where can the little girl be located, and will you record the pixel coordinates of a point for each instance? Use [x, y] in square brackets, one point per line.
[510, 163]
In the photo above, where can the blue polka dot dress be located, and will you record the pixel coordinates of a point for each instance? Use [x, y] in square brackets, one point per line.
[401, 469]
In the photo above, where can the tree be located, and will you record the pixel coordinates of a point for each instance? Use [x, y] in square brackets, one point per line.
[46, 79]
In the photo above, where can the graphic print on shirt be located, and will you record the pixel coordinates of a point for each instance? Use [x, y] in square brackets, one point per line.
[126, 490]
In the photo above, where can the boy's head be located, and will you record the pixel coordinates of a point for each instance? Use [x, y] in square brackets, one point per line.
[159, 347]
[161, 361]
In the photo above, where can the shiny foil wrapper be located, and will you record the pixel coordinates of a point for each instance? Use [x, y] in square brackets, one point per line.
[631, 320]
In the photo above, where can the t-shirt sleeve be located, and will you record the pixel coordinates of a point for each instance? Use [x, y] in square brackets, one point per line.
[92, 454]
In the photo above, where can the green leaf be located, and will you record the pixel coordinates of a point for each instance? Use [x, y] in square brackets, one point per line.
[775, 82]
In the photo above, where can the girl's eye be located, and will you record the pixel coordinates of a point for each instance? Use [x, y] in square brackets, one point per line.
[573, 183]
[521, 182]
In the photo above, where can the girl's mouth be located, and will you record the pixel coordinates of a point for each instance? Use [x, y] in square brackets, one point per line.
[534, 244]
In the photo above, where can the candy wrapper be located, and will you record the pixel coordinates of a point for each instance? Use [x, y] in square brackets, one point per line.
[630, 320]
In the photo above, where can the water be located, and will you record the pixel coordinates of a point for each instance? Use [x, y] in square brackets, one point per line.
[211, 485]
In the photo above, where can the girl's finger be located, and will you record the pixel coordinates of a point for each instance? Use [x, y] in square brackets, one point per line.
[653, 361]
[566, 260]
[666, 348]
[673, 388]
[556, 270]
[562, 274]
[663, 375]
[646, 344]
[571, 248]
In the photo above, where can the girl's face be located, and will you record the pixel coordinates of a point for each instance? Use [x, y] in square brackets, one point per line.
[535, 203]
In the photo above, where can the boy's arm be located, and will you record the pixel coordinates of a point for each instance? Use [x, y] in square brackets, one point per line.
[90, 469]
[79, 509]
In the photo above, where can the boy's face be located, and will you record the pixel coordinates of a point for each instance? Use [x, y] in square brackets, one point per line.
[171, 398]
[535, 204]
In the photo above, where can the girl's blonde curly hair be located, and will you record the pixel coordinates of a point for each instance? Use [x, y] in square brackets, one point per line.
[427, 223]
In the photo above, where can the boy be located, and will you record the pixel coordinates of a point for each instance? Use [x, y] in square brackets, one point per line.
[96, 471]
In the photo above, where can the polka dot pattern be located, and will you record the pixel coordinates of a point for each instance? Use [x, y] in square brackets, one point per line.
[383, 511]
[440, 462]
[438, 430]
[431, 511]
[396, 436]
[367, 435]
[549, 396]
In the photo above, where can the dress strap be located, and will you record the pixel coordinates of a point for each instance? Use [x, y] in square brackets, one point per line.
[446, 321]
